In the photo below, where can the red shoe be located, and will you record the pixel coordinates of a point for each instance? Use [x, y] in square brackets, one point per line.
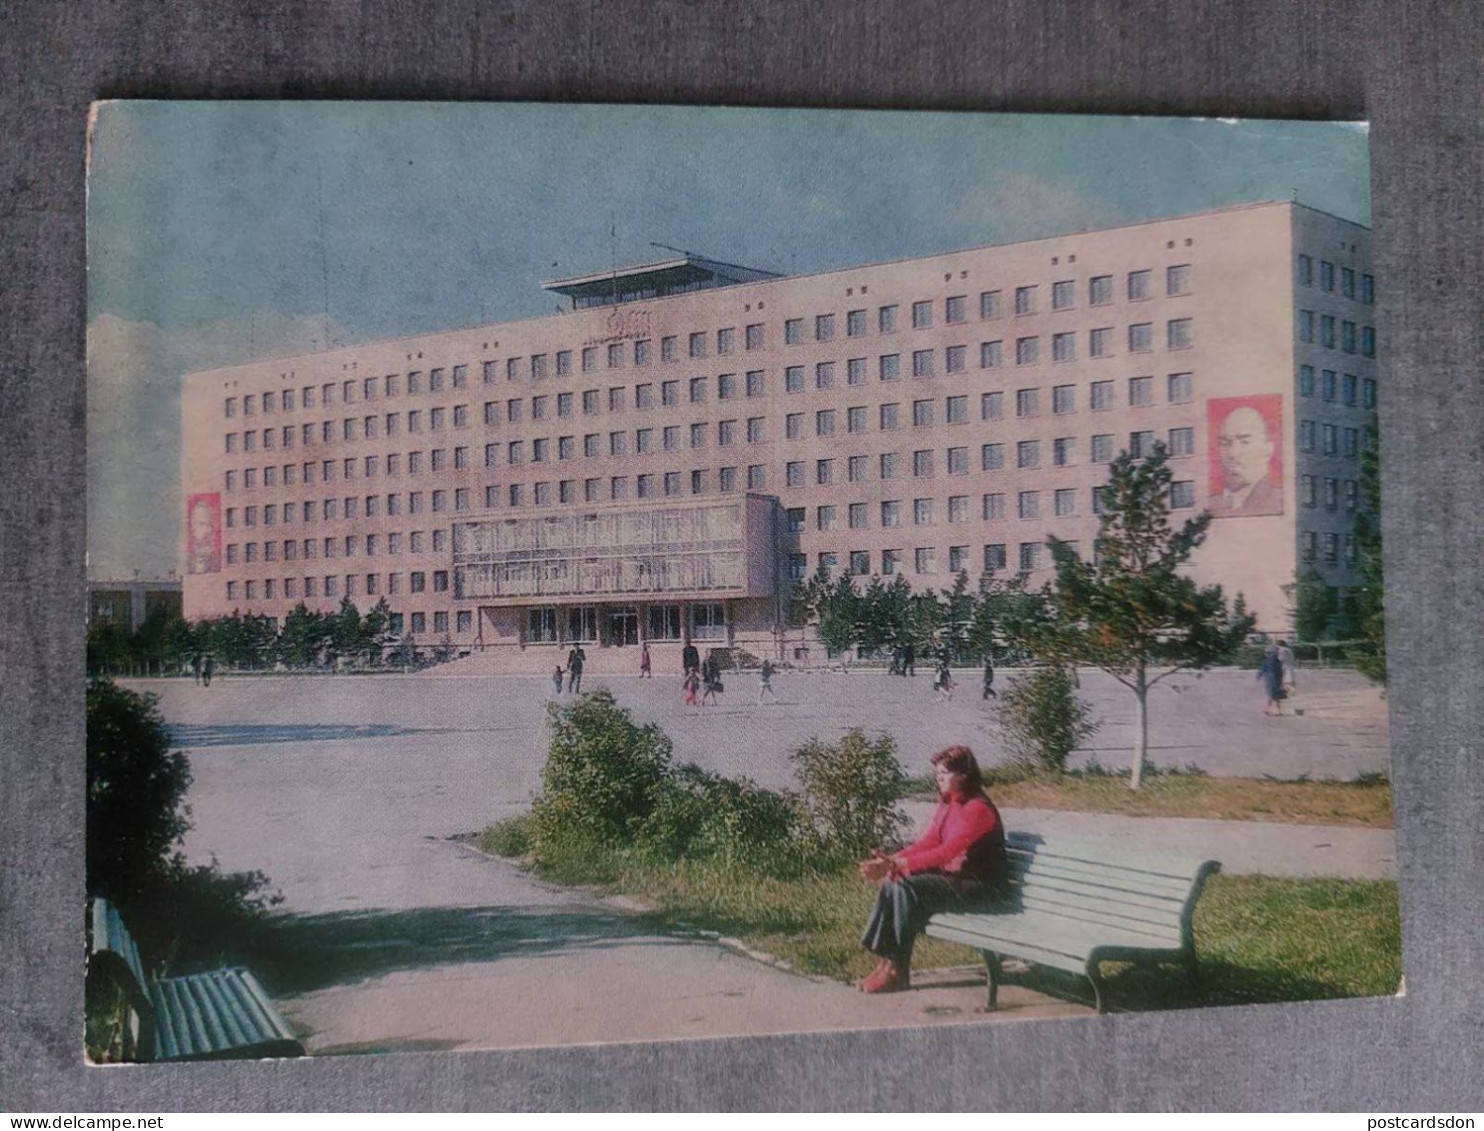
[888, 981]
[881, 968]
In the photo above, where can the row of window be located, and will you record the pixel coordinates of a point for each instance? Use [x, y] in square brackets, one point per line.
[1324, 439]
[352, 545]
[1102, 395]
[1309, 492]
[1031, 556]
[1027, 454]
[579, 624]
[1347, 278]
[1347, 337]
[1310, 541]
[338, 585]
[1331, 386]
[1139, 286]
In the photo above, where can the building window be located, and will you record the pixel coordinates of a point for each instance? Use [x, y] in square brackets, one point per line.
[857, 516]
[697, 345]
[1100, 290]
[994, 557]
[990, 305]
[824, 518]
[708, 622]
[1177, 279]
[1352, 443]
[992, 457]
[1139, 286]
[889, 416]
[726, 433]
[991, 355]
[856, 469]
[886, 320]
[1180, 388]
[726, 480]
[1179, 334]
[1182, 441]
[922, 315]
[1351, 389]
[1305, 271]
[924, 559]
[757, 477]
[1182, 494]
[891, 562]
[1028, 504]
[855, 323]
[889, 462]
[1028, 454]
[1064, 502]
[1030, 556]
[793, 426]
[958, 508]
[957, 410]
[1025, 300]
[669, 350]
[993, 507]
[641, 354]
[644, 485]
[1307, 494]
[991, 406]
[1062, 451]
[955, 308]
[1027, 351]
[1331, 548]
[922, 414]
[1368, 341]
[1327, 331]
[1141, 337]
[698, 390]
[955, 358]
[726, 341]
[1330, 434]
[672, 483]
[1064, 347]
[1027, 402]
[1140, 444]
[1368, 393]
[1063, 294]
[824, 422]
[793, 331]
[891, 513]
[793, 473]
[1347, 336]
[752, 337]
[793, 379]
[824, 327]
[922, 464]
[922, 512]
[1100, 342]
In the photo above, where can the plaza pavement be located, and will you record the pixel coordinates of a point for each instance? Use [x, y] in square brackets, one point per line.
[349, 793]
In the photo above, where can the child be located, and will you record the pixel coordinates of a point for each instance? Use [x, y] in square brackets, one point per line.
[944, 685]
[692, 684]
[556, 680]
[765, 682]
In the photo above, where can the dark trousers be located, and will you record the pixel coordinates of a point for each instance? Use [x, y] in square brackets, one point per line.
[904, 906]
[574, 679]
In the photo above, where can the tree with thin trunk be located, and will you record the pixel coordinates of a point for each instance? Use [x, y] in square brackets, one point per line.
[1131, 611]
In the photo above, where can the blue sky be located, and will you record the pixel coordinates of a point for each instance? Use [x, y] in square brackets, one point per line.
[223, 231]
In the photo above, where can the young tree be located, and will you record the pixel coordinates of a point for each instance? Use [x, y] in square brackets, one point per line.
[1369, 597]
[834, 605]
[1130, 611]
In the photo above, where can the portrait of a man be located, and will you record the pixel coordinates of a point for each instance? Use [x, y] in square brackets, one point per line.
[1246, 457]
[203, 534]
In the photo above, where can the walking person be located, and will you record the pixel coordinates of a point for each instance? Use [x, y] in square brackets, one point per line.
[1270, 671]
[690, 658]
[1290, 667]
[988, 679]
[711, 681]
[692, 685]
[208, 665]
[556, 681]
[765, 682]
[196, 667]
[909, 660]
[645, 671]
[943, 684]
[575, 660]
[958, 862]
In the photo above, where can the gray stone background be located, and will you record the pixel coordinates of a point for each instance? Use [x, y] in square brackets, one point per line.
[1411, 68]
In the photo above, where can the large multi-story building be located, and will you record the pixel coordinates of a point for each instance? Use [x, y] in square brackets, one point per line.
[661, 462]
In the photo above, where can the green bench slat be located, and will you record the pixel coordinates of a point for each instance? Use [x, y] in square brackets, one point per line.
[1085, 911]
[221, 1013]
[1156, 908]
[1052, 932]
[1098, 855]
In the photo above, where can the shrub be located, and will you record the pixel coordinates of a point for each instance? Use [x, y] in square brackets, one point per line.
[514, 836]
[850, 790]
[1043, 719]
[603, 772]
[180, 914]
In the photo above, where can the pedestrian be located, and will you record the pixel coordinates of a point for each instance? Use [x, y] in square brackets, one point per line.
[208, 665]
[711, 681]
[575, 659]
[690, 658]
[1270, 671]
[765, 682]
[644, 665]
[692, 684]
[909, 660]
[943, 684]
[556, 681]
[1290, 667]
[988, 679]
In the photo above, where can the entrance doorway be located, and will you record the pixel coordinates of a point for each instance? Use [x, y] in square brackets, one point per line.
[623, 627]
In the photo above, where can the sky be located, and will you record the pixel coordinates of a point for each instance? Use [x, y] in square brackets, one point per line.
[219, 232]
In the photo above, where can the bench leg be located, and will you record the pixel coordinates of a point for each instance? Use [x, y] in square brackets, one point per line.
[1099, 990]
[992, 973]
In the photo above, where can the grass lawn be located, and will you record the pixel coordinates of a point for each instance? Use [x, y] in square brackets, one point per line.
[1365, 803]
[1258, 938]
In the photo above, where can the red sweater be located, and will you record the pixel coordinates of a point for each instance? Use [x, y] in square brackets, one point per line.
[965, 839]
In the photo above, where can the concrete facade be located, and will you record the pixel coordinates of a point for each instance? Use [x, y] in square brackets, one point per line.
[922, 417]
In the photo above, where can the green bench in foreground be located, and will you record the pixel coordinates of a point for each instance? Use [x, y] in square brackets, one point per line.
[1075, 905]
[217, 1015]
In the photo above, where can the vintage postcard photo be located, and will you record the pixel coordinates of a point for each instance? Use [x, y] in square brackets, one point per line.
[564, 574]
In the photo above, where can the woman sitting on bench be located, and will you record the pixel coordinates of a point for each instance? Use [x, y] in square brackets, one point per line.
[958, 861]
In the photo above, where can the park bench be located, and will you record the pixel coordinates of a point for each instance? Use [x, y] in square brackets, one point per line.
[216, 1015]
[1075, 905]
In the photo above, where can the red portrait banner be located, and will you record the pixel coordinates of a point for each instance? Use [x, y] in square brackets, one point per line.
[1244, 446]
[204, 533]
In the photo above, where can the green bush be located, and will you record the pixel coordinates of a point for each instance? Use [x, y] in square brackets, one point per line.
[1043, 719]
[514, 836]
[180, 914]
[849, 792]
[603, 772]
